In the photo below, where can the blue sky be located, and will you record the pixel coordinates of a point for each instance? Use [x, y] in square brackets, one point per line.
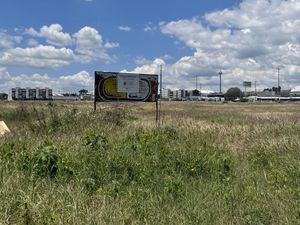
[60, 43]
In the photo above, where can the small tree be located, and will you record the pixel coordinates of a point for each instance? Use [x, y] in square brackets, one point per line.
[196, 92]
[233, 93]
[3, 96]
[83, 92]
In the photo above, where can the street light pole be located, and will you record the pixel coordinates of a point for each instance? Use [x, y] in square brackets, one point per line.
[200, 90]
[220, 73]
[278, 78]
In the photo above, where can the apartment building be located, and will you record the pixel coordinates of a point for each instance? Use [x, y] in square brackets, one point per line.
[30, 93]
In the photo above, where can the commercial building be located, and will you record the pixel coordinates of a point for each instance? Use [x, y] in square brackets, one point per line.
[166, 94]
[180, 94]
[65, 97]
[295, 92]
[173, 94]
[30, 93]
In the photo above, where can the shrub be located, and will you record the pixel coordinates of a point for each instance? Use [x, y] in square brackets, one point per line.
[96, 142]
[46, 161]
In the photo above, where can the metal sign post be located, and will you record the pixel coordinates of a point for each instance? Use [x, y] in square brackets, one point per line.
[247, 84]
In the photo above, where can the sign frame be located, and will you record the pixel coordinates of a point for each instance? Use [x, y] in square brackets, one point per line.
[247, 84]
[106, 88]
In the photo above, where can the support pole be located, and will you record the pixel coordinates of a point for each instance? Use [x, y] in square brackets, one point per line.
[278, 78]
[160, 94]
[220, 73]
[95, 103]
[157, 112]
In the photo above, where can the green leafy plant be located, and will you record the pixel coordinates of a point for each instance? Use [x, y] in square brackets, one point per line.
[46, 161]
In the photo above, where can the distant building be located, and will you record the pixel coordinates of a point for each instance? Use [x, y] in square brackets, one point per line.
[192, 95]
[173, 94]
[30, 93]
[295, 92]
[65, 97]
[179, 94]
[266, 93]
[166, 93]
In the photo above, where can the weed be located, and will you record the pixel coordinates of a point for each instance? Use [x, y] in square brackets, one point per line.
[96, 142]
[46, 161]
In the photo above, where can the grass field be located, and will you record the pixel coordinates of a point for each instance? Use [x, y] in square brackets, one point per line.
[208, 163]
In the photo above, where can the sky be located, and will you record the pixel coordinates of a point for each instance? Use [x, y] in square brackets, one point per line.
[60, 43]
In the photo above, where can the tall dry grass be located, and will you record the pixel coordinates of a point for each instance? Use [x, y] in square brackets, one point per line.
[208, 163]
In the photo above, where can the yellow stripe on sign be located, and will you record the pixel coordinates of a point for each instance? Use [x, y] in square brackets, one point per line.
[110, 89]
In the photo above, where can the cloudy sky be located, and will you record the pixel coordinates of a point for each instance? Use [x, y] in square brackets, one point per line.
[60, 43]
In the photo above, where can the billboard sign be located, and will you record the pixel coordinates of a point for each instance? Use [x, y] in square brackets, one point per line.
[112, 86]
[247, 83]
[129, 83]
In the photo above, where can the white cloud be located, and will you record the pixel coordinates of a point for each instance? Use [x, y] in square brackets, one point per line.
[111, 45]
[80, 79]
[90, 45]
[8, 41]
[247, 42]
[53, 35]
[4, 75]
[151, 68]
[85, 46]
[149, 28]
[67, 83]
[32, 42]
[124, 28]
[39, 56]
[142, 61]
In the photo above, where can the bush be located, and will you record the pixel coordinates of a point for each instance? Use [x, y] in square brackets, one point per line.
[96, 142]
[46, 162]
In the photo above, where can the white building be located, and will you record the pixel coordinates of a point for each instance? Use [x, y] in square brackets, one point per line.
[30, 93]
[166, 93]
[295, 92]
[179, 94]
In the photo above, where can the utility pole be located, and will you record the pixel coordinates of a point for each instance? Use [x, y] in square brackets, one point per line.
[278, 78]
[255, 88]
[158, 107]
[196, 82]
[200, 90]
[160, 91]
[220, 73]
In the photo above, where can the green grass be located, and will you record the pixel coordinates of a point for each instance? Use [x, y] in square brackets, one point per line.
[207, 164]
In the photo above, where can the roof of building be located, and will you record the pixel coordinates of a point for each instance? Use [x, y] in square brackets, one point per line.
[296, 89]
